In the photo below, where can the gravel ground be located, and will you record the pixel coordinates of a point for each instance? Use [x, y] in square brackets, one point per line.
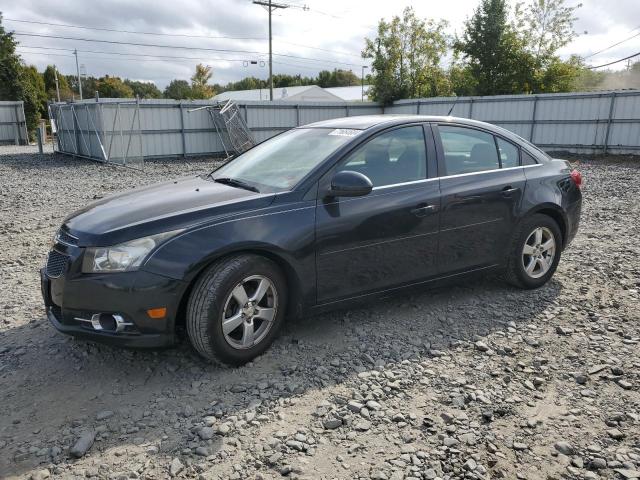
[476, 381]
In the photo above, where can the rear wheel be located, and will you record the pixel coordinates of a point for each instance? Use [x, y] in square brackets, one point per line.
[236, 308]
[535, 252]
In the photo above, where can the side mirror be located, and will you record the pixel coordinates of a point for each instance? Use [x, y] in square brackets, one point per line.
[350, 184]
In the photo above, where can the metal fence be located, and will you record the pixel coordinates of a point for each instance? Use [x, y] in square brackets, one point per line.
[128, 131]
[13, 127]
[576, 122]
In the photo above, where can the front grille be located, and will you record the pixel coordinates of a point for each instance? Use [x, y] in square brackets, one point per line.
[65, 237]
[56, 262]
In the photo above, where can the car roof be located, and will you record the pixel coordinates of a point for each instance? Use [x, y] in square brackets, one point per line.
[365, 122]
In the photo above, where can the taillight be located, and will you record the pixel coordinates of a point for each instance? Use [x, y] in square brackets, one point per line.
[576, 176]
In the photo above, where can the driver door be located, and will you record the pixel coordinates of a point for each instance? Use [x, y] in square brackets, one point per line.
[389, 237]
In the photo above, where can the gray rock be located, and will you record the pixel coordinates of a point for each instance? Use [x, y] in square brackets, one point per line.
[564, 447]
[331, 423]
[206, 433]
[615, 434]
[175, 467]
[104, 415]
[83, 444]
[597, 463]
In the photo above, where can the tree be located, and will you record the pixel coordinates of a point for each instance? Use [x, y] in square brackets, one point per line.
[49, 76]
[143, 89]
[178, 90]
[200, 87]
[35, 80]
[461, 78]
[14, 80]
[546, 26]
[406, 57]
[337, 78]
[113, 87]
[494, 52]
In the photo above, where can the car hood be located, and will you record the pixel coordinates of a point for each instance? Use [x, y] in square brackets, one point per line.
[159, 208]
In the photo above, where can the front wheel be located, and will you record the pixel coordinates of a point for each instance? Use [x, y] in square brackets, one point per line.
[236, 309]
[535, 252]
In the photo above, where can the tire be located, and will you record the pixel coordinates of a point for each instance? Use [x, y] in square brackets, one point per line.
[215, 299]
[545, 262]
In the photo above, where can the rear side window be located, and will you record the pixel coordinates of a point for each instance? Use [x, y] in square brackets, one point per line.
[528, 159]
[508, 153]
[467, 150]
[393, 157]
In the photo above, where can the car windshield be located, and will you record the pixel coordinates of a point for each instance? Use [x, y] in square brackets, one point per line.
[281, 162]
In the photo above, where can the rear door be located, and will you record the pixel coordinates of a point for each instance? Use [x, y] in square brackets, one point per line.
[389, 237]
[482, 184]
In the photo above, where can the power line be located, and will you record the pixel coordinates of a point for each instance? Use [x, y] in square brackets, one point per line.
[182, 47]
[160, 57]
[66, 25]
[180, 35]
[617, 61]
[154, 58]
[614, 45]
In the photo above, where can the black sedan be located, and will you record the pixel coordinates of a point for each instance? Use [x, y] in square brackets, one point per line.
[312, 219]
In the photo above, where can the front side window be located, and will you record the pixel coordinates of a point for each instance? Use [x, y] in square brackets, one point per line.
[280, 163]
[467, 150]
[509, 156]
[393, 157]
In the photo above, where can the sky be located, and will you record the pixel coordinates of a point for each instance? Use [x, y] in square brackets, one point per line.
[327, 34]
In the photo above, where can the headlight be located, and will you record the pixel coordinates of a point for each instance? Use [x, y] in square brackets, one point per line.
[123, 257]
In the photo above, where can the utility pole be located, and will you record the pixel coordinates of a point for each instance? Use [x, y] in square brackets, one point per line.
[362, 81]
[75, 52]
[55, 76]
[271, 6]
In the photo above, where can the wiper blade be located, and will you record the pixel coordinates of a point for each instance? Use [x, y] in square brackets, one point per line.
[234, 182]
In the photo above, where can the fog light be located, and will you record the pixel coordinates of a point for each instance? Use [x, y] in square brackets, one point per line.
[157, 312]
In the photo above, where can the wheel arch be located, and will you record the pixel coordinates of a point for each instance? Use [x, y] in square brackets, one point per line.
[555, 212]
[294, 303]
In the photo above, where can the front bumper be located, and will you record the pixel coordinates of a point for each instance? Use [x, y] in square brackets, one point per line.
[73, 298]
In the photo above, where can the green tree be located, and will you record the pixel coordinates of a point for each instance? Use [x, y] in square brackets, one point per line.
[461, 78]
[143, 89]
[200, 87]
[50, 84]
[336, 78]
[544, 27]
[496, 55]
[113, 87]
[35, 81]
[14, 79]
[178, 90]
[406, 57]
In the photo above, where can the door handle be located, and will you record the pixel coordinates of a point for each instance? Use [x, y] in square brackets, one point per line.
[423, 210]
[508, 191]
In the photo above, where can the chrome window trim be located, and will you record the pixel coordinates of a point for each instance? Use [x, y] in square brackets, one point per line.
[490, 171]
[412, 182]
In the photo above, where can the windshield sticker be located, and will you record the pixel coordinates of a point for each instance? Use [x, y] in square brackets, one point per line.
[345, 132]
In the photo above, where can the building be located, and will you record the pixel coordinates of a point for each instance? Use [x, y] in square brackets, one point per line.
[305, 93]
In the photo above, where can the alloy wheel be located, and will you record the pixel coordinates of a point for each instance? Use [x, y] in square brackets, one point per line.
[539, 252]
[249, 312]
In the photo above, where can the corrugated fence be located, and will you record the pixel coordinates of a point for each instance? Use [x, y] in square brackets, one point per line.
[125, 131]
[13, 128]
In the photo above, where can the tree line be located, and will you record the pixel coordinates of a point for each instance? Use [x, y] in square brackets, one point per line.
[503, 49]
